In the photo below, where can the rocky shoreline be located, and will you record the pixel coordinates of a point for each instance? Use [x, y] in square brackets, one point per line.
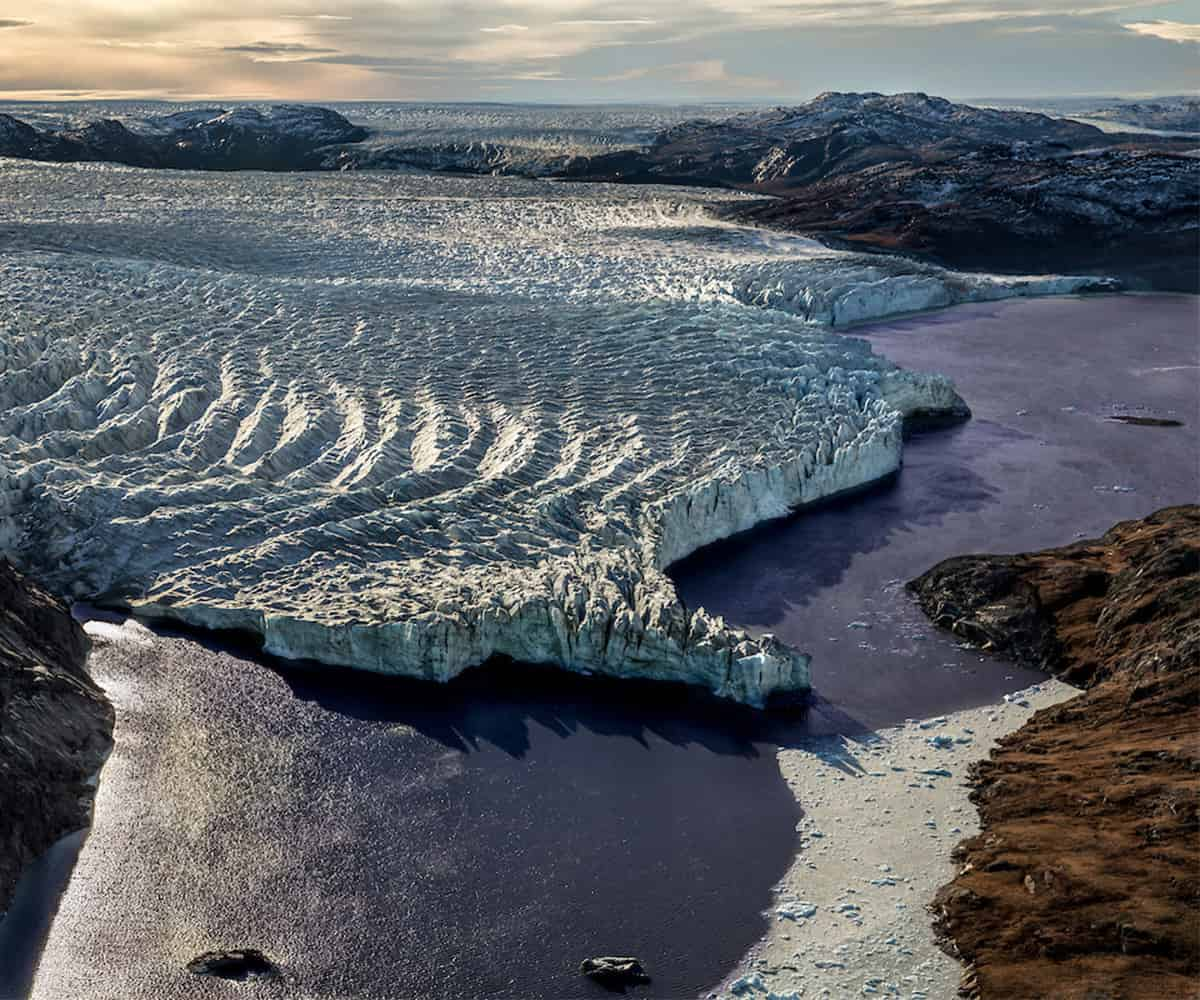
[1085, 879]
[55, 725]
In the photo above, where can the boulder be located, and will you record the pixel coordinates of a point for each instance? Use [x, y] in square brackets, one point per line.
[239, 964]
[612, 971]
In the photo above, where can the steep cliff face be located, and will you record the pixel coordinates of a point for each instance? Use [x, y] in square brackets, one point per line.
[1085, 881]
[55, 725]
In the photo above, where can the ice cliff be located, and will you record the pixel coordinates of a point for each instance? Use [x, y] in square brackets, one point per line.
[406, 425]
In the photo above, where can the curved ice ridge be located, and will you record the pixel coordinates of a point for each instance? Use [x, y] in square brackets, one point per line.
[301, 407]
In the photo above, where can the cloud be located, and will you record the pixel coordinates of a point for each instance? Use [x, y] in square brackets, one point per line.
[121, 43]
[1026, 29]
[1172, 31]
[704, 72]
[660, 49]
[280, 51]
[596, 22]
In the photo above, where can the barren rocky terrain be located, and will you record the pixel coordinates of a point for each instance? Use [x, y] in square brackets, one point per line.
[55, 725]
[1123, 211]
[1085, 879]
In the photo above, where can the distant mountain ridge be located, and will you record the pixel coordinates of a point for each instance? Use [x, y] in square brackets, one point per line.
[284, 137]
[781, 148]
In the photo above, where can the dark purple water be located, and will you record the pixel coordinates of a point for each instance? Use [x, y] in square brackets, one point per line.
[391, 839]
[1034, 468]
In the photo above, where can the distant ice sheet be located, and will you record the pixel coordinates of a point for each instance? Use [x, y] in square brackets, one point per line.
[406, 423]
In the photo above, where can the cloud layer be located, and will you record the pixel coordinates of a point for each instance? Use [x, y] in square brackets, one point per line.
[592, 49]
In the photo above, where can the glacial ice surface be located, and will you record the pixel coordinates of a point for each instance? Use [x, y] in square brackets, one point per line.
[405, 423]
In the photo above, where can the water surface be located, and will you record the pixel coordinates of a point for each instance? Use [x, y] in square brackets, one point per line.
[1040, 464]
[388, 839]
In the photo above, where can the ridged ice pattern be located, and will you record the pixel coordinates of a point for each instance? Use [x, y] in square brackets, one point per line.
[404, 423]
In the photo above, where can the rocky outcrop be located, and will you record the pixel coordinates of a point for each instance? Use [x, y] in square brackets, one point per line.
[282, 137]
[1127, 212]
[614, 972]
[1085, 879]
[783, 149]
[55, 725]
[239, 965]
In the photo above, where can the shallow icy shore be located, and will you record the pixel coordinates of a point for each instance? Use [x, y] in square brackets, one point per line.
[881, 816]
[407, 424]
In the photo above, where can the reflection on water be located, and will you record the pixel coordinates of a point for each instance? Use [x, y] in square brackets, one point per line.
[389, 839]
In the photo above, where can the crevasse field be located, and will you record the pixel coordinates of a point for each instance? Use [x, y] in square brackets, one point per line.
[406, 423]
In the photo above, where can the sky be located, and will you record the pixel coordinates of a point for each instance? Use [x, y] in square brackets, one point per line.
[592, 50]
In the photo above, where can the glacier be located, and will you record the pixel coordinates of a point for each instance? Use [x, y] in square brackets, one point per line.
[407, 424]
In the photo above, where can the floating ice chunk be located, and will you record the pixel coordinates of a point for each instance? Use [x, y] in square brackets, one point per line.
[800, 910]
[745, 985]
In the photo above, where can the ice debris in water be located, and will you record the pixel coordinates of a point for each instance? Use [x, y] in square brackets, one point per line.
[800, 910]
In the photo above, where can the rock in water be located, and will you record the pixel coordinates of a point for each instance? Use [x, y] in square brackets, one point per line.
[55, 725]
[1085, 881]
[240, 964]
[614, 972]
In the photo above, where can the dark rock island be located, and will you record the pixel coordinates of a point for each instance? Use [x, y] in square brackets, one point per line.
[615, 972]
[1085, 879]
[239, 965]
[55, 725]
